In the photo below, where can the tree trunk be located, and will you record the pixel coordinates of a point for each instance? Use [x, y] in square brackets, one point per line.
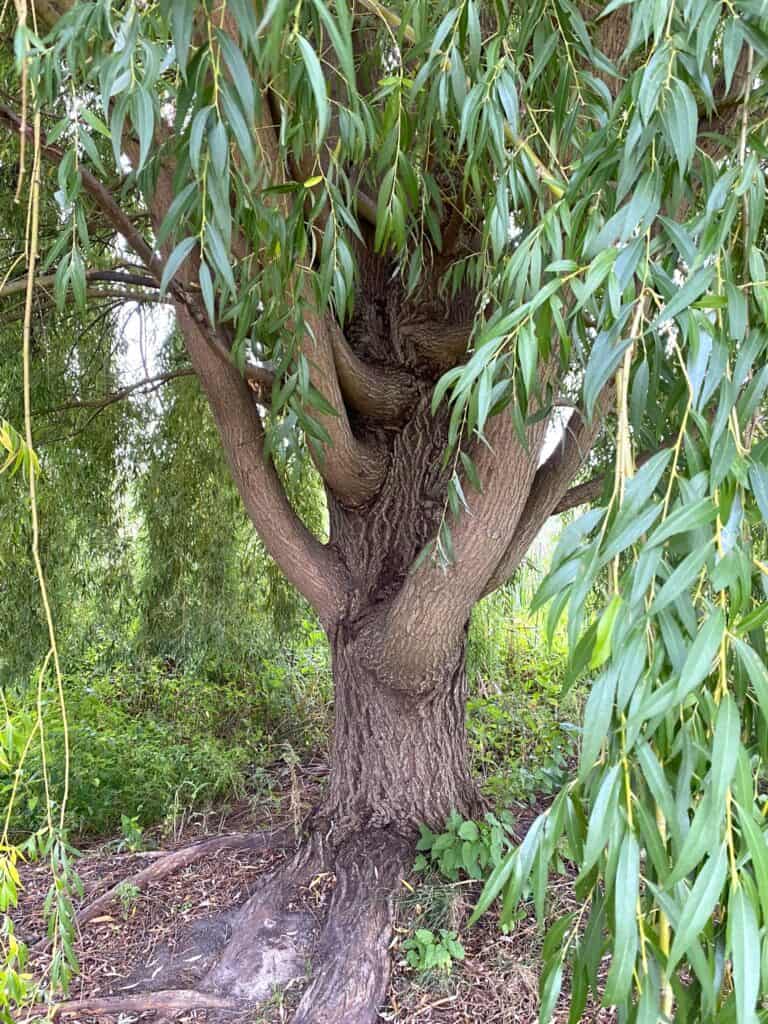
[399, 755]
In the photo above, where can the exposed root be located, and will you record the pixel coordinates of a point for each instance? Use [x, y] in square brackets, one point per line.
[278, 937]
[352, 954]
[167, 863]
[271, 939]
[169, 1001]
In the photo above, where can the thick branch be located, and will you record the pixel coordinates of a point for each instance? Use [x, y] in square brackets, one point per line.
[381, 393]
[438, 599]
[314, 569]
[353, 470]
[549, 488]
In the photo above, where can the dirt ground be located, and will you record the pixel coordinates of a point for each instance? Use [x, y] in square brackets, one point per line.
[497, 983]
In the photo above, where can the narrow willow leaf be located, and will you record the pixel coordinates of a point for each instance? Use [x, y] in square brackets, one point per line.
[700, 903]
[745, 952]
[681, 579]
[597, 718]
[174, 261]
[698, 662]
[693, 288]
[625, 940]
[601, 819]
[317, 82]
[602, 649]
[757, 672]
[703, 836]
[758, 479]
[725, 747]
[757, 844]
[684, 519]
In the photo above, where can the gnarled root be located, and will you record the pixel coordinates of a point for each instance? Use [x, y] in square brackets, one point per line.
[279, 937]
[176, 860]
[352, 953]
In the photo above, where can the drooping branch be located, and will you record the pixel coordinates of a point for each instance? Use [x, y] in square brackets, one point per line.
[315, 570]
[121, 222]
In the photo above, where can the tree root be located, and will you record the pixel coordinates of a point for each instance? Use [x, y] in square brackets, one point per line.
[169, 1001]
[167, 863]
[353, 948]
[279, 937]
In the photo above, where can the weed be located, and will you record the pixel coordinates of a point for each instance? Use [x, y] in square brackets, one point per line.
[425, 951]
[472, 847]
[133, 837]
[128, 894]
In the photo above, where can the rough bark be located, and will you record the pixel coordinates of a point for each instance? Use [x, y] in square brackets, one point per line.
[399, 755]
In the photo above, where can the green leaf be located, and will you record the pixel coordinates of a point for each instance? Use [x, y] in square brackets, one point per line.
[601, 819]
[745, 952]
[625, 939]
[469, 830]
[699, 905]
[144, 120]
[597, 718]
[757, 844]
[725, 747]
[182, 22]
[683, 519]
[317, 82]
[698, 662]
[627, 529]
[550, 990]
[241, 74]
[693, 288]
[174, 261]
[702, 837]
[757, 672]
[681, 579]
[602, 649]
[758, 479]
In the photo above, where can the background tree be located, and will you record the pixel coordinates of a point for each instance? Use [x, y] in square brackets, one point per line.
[396, 239]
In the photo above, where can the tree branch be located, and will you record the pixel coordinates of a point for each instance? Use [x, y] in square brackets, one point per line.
[549, 487]
[315, 570]
[117, 396]
[381, 393]
[436, 598]
[19, 284]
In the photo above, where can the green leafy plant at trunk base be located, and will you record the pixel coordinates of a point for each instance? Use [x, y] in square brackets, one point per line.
[426, 951]
[468, 847]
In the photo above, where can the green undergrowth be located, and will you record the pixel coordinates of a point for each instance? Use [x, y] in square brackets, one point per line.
[151, 742]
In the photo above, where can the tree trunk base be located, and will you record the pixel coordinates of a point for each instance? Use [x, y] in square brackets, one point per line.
[338, 949]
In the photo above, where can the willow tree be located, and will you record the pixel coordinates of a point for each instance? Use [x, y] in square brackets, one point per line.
[397, 239]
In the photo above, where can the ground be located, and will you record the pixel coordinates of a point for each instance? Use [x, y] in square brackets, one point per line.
[496, 983]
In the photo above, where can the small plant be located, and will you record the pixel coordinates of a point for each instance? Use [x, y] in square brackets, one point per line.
[133, 837]
[425, 951]
[128, 894]
[475, 848]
